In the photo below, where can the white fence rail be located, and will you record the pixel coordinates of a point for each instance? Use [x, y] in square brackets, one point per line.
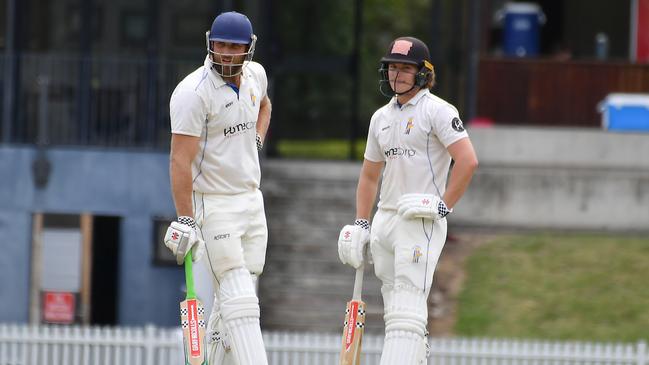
[49, 345]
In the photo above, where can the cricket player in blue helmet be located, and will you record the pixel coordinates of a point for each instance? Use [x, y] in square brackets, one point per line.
[220, 114]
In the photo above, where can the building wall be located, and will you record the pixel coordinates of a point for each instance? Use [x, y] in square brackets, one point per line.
[132, 186]
[542, 178]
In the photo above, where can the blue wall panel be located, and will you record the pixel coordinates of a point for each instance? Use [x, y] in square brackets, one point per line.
[132, 186]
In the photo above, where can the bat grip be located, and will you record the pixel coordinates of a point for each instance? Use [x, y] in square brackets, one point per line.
[358, 283]
[189, 277]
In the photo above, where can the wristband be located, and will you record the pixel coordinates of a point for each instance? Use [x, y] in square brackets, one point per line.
[189, 221]
[260, 144]
[363, 223]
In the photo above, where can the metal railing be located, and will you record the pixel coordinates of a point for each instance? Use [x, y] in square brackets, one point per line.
[63, 345]
[100, 101]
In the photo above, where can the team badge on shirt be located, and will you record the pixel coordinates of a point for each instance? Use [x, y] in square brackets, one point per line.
[456, 123]
[416, 254]
[409, 126]
[253, 98]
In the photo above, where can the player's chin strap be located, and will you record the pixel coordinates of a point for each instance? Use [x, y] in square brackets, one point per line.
[420, 81]
[386, 89]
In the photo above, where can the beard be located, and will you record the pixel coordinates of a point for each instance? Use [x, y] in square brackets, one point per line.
[227, 70]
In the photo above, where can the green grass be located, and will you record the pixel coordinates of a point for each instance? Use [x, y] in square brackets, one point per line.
[580, 287]
[327, 149]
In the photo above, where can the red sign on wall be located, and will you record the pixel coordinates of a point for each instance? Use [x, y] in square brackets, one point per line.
[642, 31]
[59, 307]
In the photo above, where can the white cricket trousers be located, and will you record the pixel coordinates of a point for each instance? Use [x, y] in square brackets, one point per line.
[235, 234]
[234, 229]
[405, 253]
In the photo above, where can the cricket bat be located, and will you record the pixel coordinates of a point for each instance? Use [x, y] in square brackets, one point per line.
[192, 321]
[350, 353]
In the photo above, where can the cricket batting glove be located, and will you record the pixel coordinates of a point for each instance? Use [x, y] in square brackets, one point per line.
[427, 206]
[352, 243]
[181, 237]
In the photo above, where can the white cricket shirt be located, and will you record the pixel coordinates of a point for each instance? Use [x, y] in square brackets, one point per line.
[203, 105]
[412, 139]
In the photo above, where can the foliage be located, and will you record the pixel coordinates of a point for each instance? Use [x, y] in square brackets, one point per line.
[313, 85]
[323, 149]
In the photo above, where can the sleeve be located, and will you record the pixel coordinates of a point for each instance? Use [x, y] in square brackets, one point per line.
[187, 111]
[447, 125]
[372, 148]
[260, 75]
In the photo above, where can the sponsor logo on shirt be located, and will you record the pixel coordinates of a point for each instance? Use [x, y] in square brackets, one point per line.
[237, 129]
[396, 152]
[221, 236]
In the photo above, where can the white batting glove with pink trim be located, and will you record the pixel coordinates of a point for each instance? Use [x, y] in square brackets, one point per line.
[427, 206]
[352, 243]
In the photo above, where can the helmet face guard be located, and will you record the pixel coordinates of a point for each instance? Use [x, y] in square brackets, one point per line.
[230, 27]
[421, 78]
[406, 50]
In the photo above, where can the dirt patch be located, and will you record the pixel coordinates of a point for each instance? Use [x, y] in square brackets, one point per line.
[448, 280]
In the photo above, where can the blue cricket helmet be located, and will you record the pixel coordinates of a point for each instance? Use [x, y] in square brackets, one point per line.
[231, 27]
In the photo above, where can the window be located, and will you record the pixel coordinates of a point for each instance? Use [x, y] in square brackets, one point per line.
[162, 256]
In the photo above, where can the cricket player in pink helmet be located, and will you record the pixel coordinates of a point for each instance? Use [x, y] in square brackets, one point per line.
[411, 142]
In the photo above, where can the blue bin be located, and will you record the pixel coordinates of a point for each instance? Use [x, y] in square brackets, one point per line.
[625, 112]
[522, 23]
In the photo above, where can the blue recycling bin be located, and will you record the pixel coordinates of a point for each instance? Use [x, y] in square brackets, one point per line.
[521, 26]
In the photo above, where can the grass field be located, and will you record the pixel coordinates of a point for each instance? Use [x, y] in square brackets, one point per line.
[549, 286]
[328, 149]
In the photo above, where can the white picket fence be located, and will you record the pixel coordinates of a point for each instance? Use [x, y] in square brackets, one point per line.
[50, 345]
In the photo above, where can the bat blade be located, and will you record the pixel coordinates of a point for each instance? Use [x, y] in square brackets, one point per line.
[192, 321]
[350, 353]
[193, 324]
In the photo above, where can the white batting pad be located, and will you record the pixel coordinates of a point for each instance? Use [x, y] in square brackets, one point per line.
[406, 316]
[219, 348]
[403, 347]
[240, 314]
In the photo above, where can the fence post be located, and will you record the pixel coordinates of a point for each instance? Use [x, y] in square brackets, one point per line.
[149, 344]
[641, 354]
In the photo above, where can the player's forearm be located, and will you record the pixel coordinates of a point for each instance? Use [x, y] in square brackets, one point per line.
[263, 119]
[459, 180]
[181, 187]
[365, 196]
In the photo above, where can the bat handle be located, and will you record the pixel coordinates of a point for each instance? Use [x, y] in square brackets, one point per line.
[358, 283]
[189, 277]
